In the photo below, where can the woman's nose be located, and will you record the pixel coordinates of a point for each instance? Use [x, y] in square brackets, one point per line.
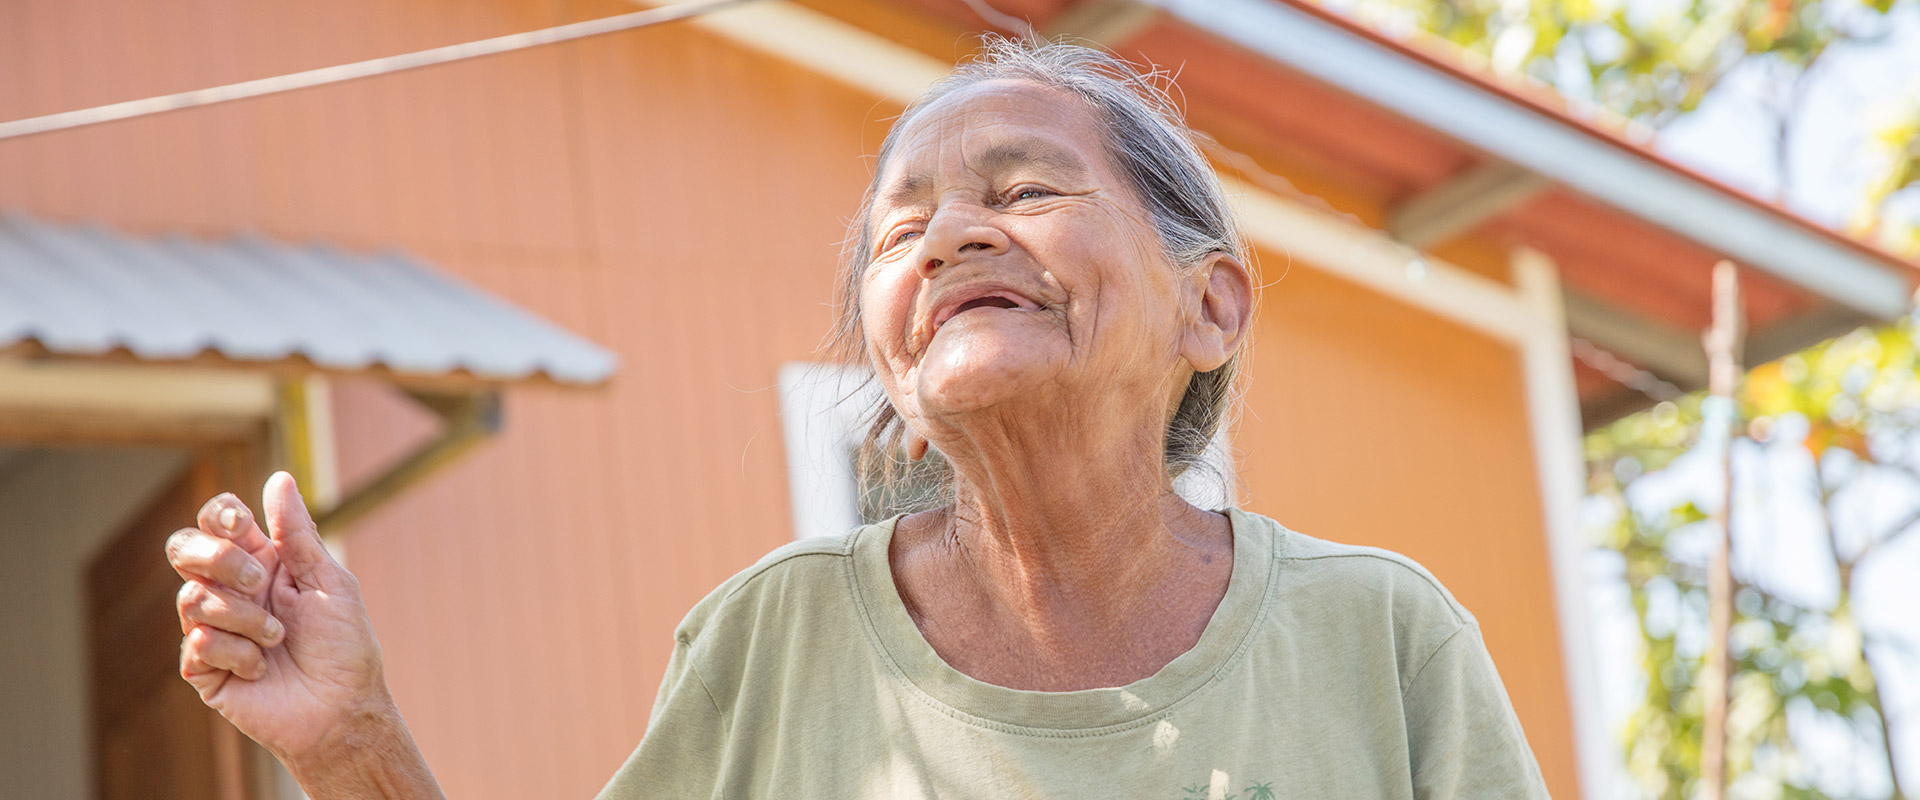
[957, 233]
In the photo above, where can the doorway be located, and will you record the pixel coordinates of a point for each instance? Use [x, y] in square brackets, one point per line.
[153, 738]
[86, 710]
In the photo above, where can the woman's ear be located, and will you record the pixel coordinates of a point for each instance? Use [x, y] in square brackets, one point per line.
[1224, 287]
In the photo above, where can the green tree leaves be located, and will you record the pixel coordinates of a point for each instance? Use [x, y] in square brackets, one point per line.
[1795, 665]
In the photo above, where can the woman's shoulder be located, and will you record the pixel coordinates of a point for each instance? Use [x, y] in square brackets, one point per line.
[804, 577]
[1358, 611]
[1343, 580]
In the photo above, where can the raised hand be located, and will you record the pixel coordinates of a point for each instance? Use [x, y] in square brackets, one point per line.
[278, 641]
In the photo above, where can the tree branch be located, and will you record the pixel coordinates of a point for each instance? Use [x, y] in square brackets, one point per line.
[1896, 531]
[1887, 728]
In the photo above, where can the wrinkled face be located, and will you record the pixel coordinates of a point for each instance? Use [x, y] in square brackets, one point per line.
[1011, 263]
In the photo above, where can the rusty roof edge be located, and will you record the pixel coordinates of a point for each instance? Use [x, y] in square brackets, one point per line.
[1501, 122]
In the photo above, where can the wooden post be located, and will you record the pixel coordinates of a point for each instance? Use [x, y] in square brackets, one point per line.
[1724, 341]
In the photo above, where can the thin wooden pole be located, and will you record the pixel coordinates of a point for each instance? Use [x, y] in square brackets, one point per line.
[1724, 341]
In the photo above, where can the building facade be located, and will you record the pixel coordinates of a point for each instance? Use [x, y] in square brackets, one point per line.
[676, 195]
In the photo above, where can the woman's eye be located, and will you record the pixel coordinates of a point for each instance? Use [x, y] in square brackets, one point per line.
[901, 237]
[1031, 193]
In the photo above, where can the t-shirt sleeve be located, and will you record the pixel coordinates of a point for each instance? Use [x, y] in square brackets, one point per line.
[1463, 737]
[680, 754]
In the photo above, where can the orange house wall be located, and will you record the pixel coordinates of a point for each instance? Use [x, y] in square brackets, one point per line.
[678, 200]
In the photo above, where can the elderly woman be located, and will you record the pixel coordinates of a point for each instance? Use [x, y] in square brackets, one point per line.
[1047, 284]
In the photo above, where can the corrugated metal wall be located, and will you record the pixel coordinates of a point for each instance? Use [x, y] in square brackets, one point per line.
[680, 201]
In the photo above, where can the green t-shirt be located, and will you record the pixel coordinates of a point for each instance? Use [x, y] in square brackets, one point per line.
[1328, 671]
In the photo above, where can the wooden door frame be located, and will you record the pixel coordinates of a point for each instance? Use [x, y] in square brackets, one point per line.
[241, 769]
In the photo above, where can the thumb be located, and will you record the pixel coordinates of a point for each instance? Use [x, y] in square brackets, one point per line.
[294, 535]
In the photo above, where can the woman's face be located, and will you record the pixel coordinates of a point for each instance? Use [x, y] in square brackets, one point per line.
[1011, 264]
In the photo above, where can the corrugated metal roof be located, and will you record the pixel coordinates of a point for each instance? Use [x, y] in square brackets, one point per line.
[86, 290]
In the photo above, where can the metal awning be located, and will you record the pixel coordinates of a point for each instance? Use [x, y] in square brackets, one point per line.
[107, 337]
[82, 290]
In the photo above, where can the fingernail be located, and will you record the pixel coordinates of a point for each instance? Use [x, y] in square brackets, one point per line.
[273, 628]
[250, 576]
[230, 518]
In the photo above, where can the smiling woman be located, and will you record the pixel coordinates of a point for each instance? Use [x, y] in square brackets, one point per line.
[1132, 135]
[1045, 282]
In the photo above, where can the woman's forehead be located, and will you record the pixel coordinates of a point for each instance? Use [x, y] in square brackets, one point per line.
[995, 125]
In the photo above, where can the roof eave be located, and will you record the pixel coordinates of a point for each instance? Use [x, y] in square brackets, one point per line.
[1614, 173]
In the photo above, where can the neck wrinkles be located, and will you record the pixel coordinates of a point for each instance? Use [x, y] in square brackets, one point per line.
[1063, 521]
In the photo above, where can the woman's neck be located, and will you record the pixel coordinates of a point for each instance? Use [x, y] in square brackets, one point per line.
[1073, 560]
[1083, 527]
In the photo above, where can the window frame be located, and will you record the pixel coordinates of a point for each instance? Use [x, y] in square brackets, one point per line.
[822, 419]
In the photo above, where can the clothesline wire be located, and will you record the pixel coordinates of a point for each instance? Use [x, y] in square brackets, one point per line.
[67, 120]
[1622, 372]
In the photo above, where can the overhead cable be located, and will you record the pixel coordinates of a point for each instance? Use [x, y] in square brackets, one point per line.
[360, 69]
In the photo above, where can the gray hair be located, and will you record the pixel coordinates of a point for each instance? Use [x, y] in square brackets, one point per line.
[1149, 142]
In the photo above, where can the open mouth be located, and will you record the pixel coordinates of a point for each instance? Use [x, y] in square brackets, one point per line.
[999, 300]
[990, 301]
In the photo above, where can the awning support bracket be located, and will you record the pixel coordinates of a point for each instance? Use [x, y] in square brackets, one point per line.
[468, 419]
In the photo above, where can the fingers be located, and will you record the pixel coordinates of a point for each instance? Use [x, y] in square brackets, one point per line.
[223, 610]
[201, 556]
[297, 541]
[226, 516]
[205, 653]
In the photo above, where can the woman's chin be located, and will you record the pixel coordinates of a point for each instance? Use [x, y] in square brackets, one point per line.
[964, 374]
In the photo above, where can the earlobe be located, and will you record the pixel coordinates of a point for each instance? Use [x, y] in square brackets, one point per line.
[1223, 313]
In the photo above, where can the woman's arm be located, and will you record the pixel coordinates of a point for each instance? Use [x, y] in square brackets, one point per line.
[375, 757]
[277, 640]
